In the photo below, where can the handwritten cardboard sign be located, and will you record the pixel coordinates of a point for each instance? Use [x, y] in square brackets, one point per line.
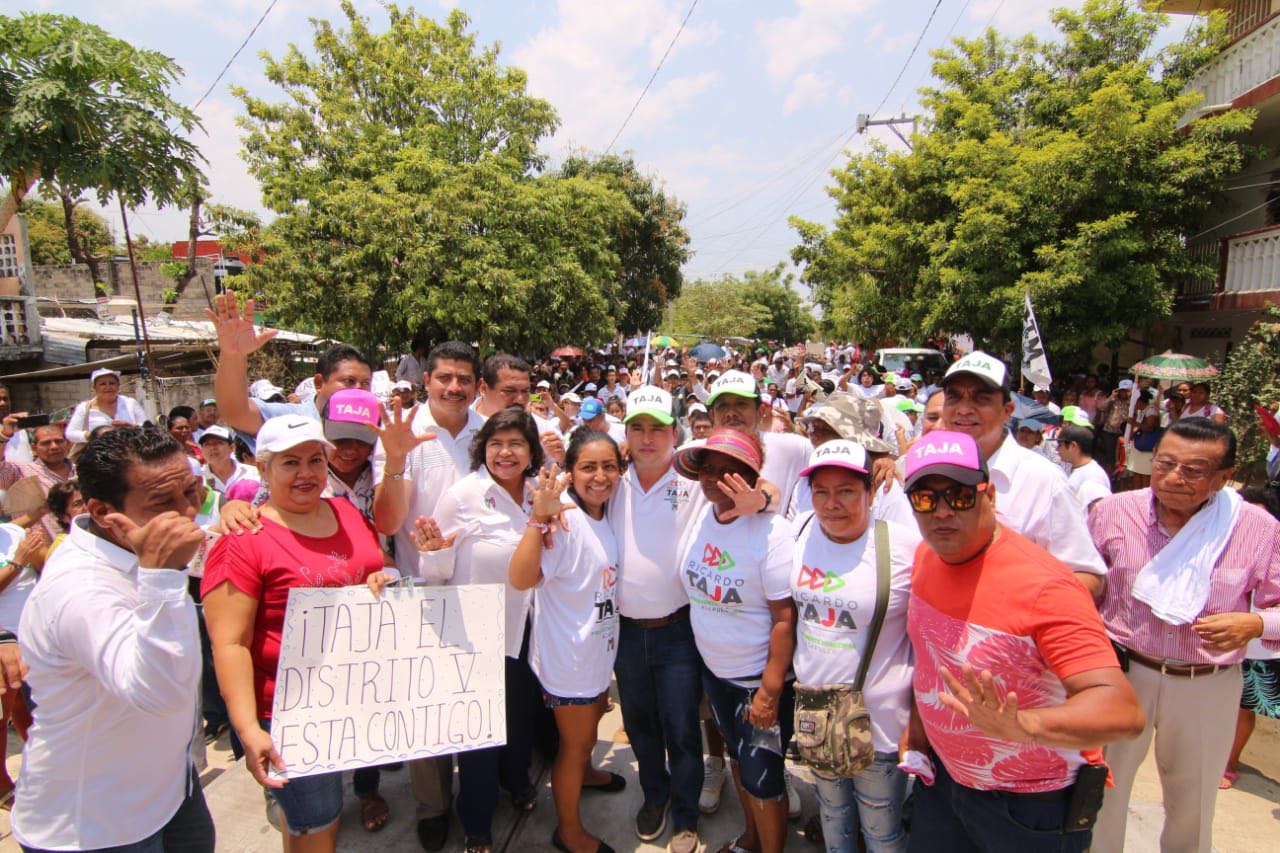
[364, 681]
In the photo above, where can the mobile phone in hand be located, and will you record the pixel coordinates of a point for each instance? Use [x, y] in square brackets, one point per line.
[32, 421]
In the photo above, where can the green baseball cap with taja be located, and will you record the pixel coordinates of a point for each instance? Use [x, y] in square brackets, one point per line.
[651, 401]
[733, 382]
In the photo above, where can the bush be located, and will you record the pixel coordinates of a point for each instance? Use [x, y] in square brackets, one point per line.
[1251, 377]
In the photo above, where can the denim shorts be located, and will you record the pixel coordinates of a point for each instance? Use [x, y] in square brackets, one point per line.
[310, 803]
[554, 702]
[761, 770]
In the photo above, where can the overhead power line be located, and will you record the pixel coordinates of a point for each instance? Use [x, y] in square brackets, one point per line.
[234, 56]
[652, 77]
[792, 198]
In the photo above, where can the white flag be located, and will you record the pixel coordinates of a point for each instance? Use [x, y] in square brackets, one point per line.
[1035, 364]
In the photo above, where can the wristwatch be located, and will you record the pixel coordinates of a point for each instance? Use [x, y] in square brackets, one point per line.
[768, 499]
[7, 637]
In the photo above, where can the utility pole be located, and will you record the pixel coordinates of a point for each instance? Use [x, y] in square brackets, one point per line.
[864, 121]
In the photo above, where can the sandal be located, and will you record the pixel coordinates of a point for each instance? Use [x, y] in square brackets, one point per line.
[525, 801]
[732, 847]
[477, 845]
[1229, 778]
[374, 812]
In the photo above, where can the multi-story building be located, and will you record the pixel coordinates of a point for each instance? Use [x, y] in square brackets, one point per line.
[1244, 247]
[19, 323]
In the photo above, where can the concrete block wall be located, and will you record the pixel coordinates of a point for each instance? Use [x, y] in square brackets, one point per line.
[72, 281]
[63, 281]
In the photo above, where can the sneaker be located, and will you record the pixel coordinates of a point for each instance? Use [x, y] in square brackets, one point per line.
[684, 841]
[712, 784]
[651, 821]
[793, 797]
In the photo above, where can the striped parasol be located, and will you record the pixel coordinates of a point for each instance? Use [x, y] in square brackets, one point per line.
[1172, 366]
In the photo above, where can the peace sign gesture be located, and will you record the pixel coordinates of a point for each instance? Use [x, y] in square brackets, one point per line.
[236, 332]
[396, 430]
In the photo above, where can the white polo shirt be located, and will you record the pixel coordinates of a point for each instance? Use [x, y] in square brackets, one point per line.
[648, 527]
[432, 467]
[489, 524]
[240, 472]
[785, 456]
[115, 668]
[1033, 498]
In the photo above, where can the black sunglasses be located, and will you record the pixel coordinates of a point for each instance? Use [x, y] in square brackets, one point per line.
[959, 497]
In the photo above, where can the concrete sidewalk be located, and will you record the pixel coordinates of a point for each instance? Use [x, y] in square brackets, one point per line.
[1247, 818]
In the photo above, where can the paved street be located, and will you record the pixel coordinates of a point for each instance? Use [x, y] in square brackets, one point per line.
[1247, 820]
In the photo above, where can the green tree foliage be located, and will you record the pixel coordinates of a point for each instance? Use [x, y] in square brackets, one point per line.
[1251, 377]
[88, 112]
[1053, 167]
[760, 305]
[404, 166]
[651, 246]
[47, 232]
[790, 320]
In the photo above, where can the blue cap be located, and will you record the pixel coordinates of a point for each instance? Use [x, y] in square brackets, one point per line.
[591, 408]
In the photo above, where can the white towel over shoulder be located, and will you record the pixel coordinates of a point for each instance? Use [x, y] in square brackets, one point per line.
[1175, 583]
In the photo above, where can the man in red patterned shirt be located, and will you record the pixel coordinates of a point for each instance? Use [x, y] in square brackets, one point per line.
[1015, 685]
[1185, 559]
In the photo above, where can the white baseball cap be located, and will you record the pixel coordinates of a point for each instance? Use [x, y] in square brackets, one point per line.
[733, 382]
[216, 431]
[988, 368]
[651, 401]
[1125, 385]
[102, 371]
[1037, 389]
[837, 454]
[263, 389]
[287, 431]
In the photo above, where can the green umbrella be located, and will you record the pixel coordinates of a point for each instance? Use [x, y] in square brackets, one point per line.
[662, 341]
[1174, 367]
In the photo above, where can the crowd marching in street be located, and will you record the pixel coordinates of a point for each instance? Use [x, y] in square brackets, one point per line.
[969, 623]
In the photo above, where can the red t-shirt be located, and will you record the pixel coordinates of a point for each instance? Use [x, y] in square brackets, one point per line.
[266, 565]
[1019, 612]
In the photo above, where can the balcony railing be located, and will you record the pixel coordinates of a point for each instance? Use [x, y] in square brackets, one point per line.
[1208, 253]
[1240, 68]
[1253, 261]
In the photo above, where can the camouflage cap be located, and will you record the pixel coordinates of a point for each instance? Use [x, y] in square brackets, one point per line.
[854, 418]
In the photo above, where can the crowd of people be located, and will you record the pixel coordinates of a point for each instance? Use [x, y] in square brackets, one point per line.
[775, 556]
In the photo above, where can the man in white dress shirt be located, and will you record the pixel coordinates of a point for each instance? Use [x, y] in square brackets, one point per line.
[110, 637]
[1034, 498]
[413, 467]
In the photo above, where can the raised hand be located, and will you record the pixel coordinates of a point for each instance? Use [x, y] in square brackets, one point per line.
[545, 496]
[426, 536]
[236, 332]
[396, 430]
[746, 499]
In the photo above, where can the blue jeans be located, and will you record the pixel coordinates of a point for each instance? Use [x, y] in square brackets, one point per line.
[950, 817]
[190, 830]
[762, 771]
[659, 684]
[871, 801]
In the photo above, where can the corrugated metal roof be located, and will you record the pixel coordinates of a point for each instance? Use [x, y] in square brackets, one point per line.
[121, 328]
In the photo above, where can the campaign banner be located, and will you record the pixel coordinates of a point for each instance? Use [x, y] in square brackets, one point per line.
[363, 681]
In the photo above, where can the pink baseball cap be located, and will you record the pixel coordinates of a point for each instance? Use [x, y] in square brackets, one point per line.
[947, 454]
[351, 413]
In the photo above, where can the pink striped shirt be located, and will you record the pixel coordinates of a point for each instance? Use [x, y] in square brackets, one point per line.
[1127, 534]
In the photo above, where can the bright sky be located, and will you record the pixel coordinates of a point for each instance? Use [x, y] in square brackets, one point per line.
[752, 108]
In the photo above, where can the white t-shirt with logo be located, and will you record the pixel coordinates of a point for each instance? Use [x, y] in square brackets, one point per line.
[648, 527]
[834, 588]
[575, 620]
[731, 572]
